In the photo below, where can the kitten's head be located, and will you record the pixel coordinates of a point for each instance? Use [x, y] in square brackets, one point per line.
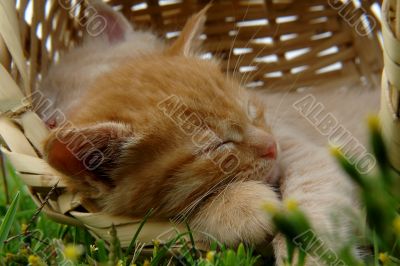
[203, 132]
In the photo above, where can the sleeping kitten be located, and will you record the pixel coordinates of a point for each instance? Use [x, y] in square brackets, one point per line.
[140, 124]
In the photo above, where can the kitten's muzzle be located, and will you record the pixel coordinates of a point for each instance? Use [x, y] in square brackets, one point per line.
[269, 152]
[263, 143]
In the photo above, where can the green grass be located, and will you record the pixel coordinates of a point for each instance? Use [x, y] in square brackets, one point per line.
[379, 192]
[30, 239]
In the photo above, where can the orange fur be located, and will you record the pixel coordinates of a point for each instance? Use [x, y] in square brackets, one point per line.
[162, 156]
[176, 135]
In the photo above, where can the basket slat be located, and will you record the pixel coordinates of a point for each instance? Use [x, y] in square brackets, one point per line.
[151, 231]
[5, 59]
[9, 31]
[43, 181]
[101, 224]
[35, 130]
[390, 100]
[390, 124]
[14, 138]
[10, 94]
[68, 201]
[28, 164]
[225, 22]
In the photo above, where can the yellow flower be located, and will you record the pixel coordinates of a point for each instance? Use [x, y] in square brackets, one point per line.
[210, 256]
[335, 151]
[396, 225]
[34, 260]
[119, 263]
[270, 208]
[146, 263]
[291, 204]
[73, 252]
[93, 249]
[373, 122]
[384, 258]
[156, 242]
[23, 251]
[24, 227]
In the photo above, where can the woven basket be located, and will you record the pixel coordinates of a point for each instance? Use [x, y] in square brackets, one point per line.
[269, 44]
[390, 98]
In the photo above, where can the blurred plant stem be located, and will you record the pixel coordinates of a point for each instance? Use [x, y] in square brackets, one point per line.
[4, 176]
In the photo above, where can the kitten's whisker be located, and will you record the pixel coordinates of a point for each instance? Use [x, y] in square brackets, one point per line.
[260, 52]
[233, 43]
[233, 180]
[184, 213]
[275, 117]
[239, 61]
[188, 210]
[246, 46]
[248, 76]
[273, 35]
[222, 194]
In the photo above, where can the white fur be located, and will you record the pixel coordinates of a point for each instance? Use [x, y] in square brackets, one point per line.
[235, 215]
[70, 78]
[310, 175]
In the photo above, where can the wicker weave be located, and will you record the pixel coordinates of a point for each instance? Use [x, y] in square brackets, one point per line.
[254, 39]
[390, 99]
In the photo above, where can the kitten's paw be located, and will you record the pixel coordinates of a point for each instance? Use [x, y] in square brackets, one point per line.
[236, 215]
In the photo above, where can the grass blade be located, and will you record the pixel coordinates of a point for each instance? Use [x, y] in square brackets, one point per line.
[8, 220]
[133, 242]
[101, 251]
[193, 248]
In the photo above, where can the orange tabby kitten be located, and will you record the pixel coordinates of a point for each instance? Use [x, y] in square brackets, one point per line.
[140, 125]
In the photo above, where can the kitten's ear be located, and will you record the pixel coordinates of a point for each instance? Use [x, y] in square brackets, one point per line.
[112, 24]
[186, 42]
[91, 151]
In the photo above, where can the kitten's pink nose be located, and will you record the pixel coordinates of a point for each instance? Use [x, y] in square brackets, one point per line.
[263, 143]
[269, 151]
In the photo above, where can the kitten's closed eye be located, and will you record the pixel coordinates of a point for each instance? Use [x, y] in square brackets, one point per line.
[226, 143]
[219, 146]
